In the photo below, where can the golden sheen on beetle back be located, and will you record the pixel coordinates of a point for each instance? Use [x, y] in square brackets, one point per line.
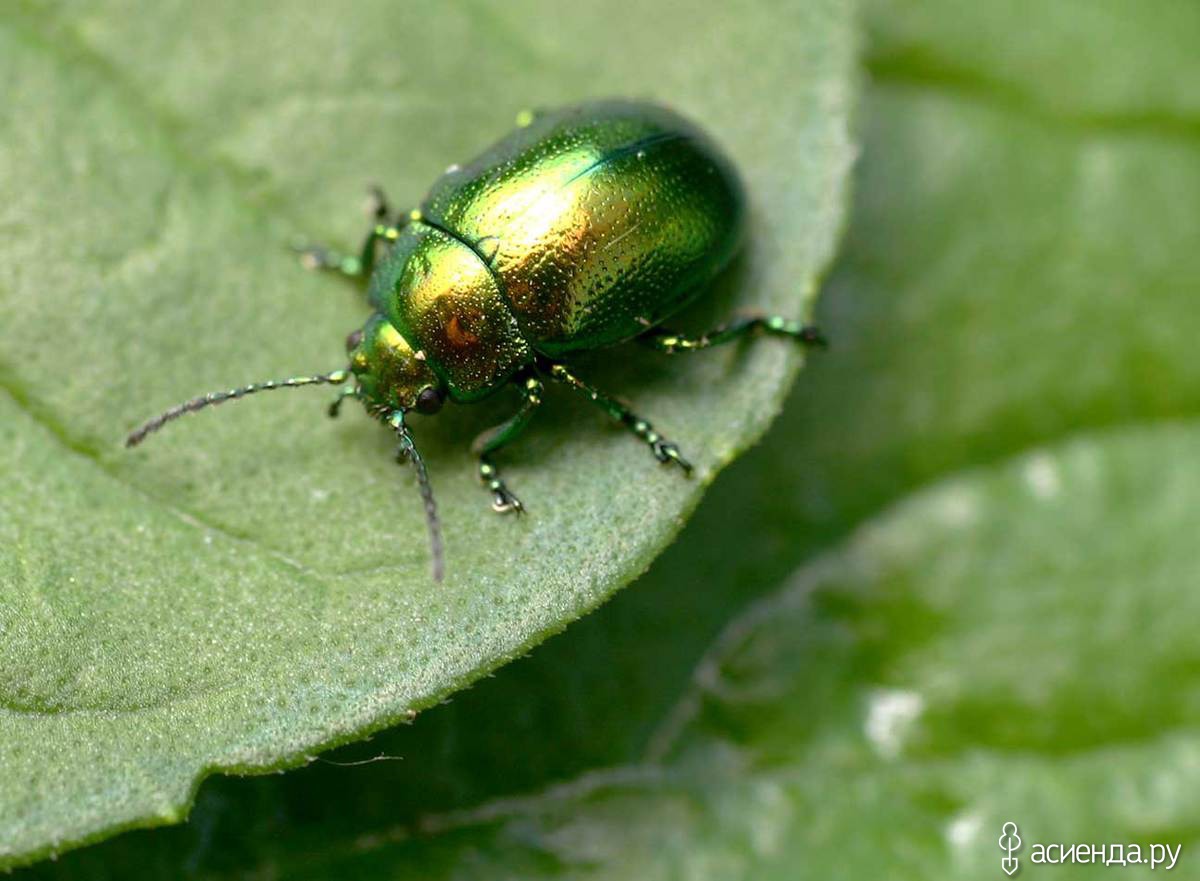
[584, 227]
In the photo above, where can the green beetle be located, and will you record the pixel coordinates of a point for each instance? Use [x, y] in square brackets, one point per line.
[584, 227]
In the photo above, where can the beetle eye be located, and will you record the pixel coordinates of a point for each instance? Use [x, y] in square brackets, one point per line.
[352, 340]
[430, 400]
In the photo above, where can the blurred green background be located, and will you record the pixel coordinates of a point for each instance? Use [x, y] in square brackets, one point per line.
[957, 584]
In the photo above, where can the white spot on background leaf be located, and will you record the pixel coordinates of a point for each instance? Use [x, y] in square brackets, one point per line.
[958, 506]
[890, 716]
[1041, 474]
[963, 830]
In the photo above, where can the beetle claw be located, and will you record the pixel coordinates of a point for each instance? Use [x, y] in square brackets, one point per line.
[667, 452]
[811, 335]
[503, 501]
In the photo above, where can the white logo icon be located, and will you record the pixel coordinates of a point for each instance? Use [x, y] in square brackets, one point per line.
[1010, 843]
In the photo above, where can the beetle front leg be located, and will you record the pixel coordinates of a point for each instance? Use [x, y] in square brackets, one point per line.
[501, 435]
[671, 343]
[335, 406]
[385, 228]
[663, 450]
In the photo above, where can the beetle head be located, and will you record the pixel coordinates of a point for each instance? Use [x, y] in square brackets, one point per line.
[391, 375]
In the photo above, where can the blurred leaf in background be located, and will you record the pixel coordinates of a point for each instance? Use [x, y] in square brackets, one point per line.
[255, 587]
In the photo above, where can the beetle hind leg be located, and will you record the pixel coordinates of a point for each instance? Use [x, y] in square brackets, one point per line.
[671, 343]
[501, 435]
[664, 450]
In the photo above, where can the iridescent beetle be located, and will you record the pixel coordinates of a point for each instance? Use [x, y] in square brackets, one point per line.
[584, 227]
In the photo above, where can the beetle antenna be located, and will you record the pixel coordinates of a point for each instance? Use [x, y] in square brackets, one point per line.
[337, 377]
[408, 450]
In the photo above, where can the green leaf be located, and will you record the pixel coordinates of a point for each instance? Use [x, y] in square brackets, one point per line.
[254, 586]
[973, 656]
[1018, 288]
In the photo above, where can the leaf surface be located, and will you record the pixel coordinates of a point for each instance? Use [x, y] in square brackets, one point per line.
[966, 544]
[254, 585]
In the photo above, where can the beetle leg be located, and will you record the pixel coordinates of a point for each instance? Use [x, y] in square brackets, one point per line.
[663, 450]
[377, 204]
[322, 258]
[501, 435]
[335, 406]
[318, 257]
[670, 342]
[383, 229]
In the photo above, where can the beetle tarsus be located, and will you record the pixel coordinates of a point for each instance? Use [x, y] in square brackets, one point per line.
[664, 450]
[667, 452]
[335, 406]
[500, 436]
[811, 335]
[318, 258]
[671, 342]
[503, 501]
